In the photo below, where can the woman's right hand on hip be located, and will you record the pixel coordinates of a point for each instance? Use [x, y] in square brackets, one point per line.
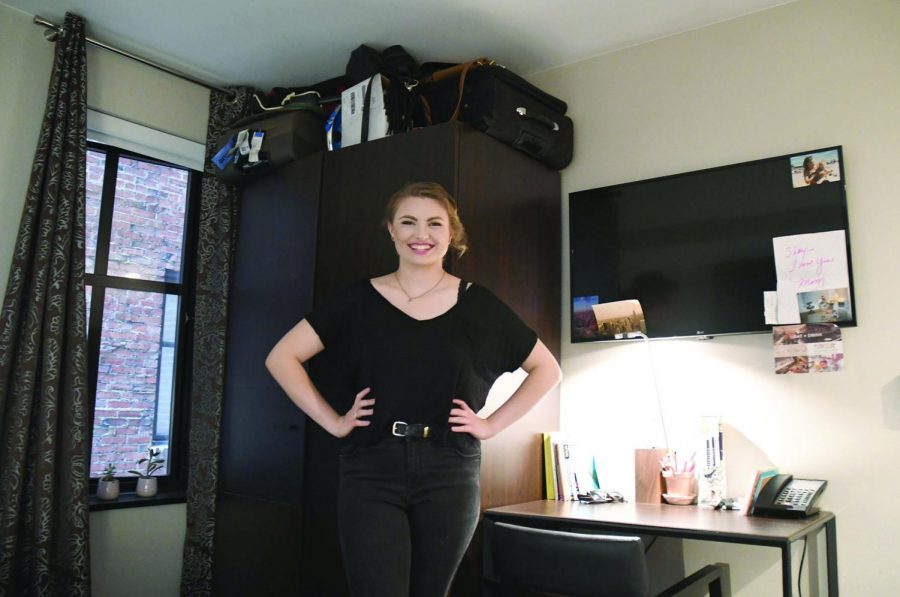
[362, 407]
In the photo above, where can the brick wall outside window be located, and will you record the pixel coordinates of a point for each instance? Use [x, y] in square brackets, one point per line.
[146, 242]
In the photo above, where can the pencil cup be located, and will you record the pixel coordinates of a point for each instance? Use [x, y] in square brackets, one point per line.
[680, 488]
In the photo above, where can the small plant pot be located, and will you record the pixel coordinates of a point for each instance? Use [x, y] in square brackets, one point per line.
[146, 486]
[108, 490]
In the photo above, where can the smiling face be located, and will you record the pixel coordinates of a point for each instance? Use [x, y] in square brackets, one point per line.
[421, 230]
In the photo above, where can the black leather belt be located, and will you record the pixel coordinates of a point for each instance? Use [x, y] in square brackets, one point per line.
[401, 429]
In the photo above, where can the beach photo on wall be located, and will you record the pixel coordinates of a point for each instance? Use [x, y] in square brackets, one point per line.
[810, 169]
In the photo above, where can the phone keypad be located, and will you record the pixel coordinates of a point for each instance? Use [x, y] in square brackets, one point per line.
[798, 494]
[795, 497]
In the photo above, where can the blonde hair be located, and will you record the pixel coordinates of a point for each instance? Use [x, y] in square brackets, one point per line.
[431, 190]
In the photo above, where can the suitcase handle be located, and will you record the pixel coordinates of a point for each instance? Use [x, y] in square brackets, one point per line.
[542, 119]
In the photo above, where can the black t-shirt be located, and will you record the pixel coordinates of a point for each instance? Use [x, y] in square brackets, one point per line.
[416, 368]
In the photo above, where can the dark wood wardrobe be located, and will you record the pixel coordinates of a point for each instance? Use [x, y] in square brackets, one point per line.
[306, 231]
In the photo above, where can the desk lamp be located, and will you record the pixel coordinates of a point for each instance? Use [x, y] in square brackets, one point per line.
[624, 320]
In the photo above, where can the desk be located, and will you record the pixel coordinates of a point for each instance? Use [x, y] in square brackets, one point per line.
[686, 522]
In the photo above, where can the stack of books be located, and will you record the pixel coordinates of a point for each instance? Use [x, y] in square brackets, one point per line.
[760, 479]
[569, 468]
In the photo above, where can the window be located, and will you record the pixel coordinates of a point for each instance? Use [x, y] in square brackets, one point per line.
[140, 230]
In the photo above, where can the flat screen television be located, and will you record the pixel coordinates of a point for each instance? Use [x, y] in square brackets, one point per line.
[696, 249]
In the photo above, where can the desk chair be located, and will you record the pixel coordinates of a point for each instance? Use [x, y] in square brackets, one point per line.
[530, 561]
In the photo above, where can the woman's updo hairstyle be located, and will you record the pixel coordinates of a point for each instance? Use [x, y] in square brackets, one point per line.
[432, 190]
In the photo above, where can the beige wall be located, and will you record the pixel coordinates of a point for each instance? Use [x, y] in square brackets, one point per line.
[25, 73]
[116, 86]
[132, 545]
[137, 551]
[805, 75]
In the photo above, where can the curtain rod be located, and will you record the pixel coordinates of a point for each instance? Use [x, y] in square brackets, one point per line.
[38, 20]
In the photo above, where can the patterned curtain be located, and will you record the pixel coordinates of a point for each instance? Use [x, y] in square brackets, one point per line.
[218, 217]
[44, 408]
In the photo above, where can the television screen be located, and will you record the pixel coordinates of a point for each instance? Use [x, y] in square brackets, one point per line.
[696, 249]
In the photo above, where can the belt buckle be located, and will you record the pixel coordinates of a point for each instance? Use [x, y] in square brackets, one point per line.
[399, 429]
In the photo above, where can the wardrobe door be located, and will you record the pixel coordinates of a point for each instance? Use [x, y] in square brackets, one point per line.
[511, 207]
[258, 530]
[356, 184]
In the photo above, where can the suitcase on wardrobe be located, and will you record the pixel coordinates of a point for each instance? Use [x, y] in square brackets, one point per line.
[505, 106]
[289, 135]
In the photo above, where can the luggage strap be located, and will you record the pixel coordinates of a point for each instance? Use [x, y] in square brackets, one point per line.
[460, 70]
[364, 132]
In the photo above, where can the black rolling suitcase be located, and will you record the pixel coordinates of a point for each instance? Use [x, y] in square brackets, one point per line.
[505, 106]
[286, 136]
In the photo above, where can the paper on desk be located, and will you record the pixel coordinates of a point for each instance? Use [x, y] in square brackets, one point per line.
[813, 278]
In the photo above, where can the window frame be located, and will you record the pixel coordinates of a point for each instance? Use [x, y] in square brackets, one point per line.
[173, 484]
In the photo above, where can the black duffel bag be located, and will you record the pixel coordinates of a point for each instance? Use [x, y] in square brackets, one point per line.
[404, 108]
[499, 102]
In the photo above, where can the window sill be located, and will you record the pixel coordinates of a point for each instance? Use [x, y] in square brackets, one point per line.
[132, 500]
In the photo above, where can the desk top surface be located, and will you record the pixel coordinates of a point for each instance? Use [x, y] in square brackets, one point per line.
[685, 521]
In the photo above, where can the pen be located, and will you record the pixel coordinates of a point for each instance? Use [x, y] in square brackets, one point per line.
[721, 448]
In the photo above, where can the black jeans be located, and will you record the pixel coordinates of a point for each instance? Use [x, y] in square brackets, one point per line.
[407, 509]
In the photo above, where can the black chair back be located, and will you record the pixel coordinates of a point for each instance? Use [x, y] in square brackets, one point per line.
[570, 564]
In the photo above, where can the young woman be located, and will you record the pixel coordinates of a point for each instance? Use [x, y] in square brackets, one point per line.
[422, 349]
[814, 173]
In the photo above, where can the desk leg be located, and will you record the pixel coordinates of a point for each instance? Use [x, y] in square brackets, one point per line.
[831, 556]
[812, 556]
[786, 575]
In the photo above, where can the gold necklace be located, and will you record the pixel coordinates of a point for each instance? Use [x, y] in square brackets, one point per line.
[410, 299]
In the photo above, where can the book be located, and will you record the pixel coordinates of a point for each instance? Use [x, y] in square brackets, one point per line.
[585, 473]
[748, 499]
[567, 459]
[576, 470]
[549, 467]
[556, 438]
[569, 469]
[711, 486]
[760, 478]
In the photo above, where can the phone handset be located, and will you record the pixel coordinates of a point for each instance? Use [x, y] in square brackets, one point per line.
[785, 496]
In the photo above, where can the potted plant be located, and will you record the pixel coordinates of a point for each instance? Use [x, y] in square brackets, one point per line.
[146, 483]
[108, 486]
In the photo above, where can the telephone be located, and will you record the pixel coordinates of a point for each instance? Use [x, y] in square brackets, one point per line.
[787, 497]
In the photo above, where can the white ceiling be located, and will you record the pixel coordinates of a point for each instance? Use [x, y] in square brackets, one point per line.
[268, 43]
